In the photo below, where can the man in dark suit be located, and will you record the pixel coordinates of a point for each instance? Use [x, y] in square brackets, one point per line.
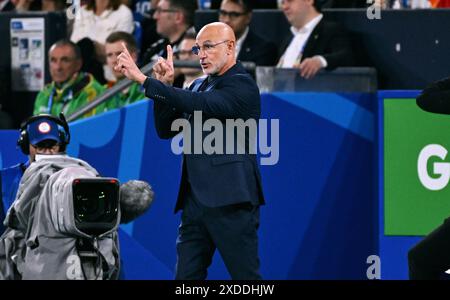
[249, 46]
[173, 18]
[313, 43]
[220, 193]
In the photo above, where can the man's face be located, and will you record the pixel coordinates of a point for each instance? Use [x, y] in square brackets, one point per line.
[165, 18]
[63, 63]
[185, 53]
[295, 10]
[34, 150]
[113, 50]
[213, 52]
[233, 15]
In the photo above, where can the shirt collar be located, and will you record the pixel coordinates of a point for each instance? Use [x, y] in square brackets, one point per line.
[308, 26]
[241, 40]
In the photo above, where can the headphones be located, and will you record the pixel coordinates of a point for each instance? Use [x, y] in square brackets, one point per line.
[63, 129]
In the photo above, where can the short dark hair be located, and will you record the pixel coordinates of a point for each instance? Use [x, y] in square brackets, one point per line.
[123, 36]
[66, 42]
[188, 7]
[247, 5]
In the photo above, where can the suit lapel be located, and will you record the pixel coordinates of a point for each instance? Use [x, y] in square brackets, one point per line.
[311, 44]
[246, 47]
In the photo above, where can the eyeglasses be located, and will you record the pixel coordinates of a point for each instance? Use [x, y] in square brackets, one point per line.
[231, 14]
[160, 10]
[207, 47]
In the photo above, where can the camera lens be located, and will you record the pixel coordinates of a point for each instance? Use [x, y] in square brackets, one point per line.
[95, 203]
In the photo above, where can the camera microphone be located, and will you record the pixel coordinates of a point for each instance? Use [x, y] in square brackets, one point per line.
[136, 196]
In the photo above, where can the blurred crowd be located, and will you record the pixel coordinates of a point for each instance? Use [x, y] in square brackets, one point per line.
[81, 65]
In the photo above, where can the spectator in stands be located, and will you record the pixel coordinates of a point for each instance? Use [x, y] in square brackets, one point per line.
[113, 48]
[185, 53]
[249, 46]
[173, 19]
[148, 24]
[70, 89]
[97, 20]
[313, 43]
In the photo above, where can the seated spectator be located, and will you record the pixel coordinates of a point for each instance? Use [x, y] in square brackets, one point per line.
[97, 20]
[313, 43]
[148, 24]
[113, 48]
[185, 53]
[173, 19]
[70, 89]
[249, 46]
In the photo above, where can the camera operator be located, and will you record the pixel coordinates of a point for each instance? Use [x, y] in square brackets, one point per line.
[39, 135]
[45, 216]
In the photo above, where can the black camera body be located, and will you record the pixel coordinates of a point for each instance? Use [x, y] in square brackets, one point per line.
[96, 204]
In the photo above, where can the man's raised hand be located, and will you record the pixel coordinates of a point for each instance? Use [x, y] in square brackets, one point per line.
[126, 65]
[163, 69]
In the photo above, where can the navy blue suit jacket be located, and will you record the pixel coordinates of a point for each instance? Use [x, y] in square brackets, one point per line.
[215, 179]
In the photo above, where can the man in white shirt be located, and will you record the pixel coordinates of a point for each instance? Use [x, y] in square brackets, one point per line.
[313, 43]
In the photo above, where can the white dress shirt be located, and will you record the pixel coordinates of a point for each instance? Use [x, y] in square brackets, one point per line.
[294, 51]
[240, 41]
[97, 28]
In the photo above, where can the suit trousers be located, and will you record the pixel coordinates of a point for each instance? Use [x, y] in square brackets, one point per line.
[430, 258]
[231, 229]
